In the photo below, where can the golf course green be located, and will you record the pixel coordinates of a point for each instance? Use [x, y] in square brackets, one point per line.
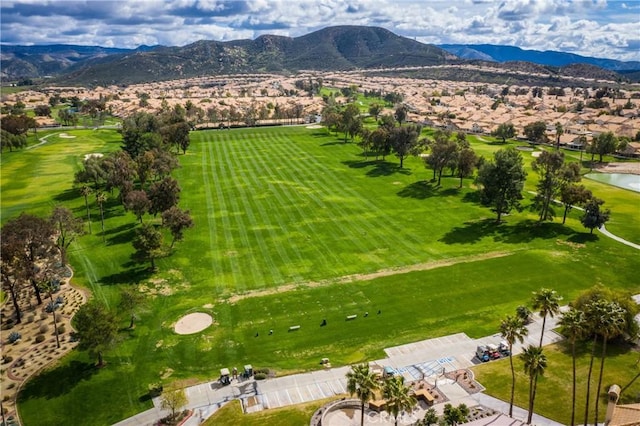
[293, 226]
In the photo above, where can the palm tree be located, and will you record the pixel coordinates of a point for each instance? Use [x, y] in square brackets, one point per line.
[101, 198]
[593, 310]
[573, 326]
[85, 191]
[512, 329]
[397, 396]
[546, 302]
[362, 383]
[535, 362]
[612, 324]
[559, 132]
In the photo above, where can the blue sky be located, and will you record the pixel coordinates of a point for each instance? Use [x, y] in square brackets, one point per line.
[600, 28]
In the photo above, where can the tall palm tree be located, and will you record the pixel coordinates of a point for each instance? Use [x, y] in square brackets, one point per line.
[612, 324]
[573, 326]
[512, 329]
[362, 383]
[397, 396]
[546, 302]
[535, 362]
[85, 191]
[593, 311]
[101, 198]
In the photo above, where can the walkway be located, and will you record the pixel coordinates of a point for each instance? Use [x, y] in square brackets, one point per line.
[415, 360]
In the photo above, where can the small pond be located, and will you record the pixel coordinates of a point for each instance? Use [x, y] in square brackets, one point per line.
[621, 180]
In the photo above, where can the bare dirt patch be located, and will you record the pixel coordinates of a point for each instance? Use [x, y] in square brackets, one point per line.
[193, 323]
[66, 136]
[314, 126]
[628, 168]
[366, 277]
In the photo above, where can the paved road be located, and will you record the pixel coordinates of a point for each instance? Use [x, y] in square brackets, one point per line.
[412, 360]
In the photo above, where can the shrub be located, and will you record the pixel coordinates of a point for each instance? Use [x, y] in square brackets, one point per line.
[61, 329]
[40, 338]
[7, 359]
[14, 337]
[524, 314]
[31, 318]
[155, 389]
[44, 328]
[259, 376]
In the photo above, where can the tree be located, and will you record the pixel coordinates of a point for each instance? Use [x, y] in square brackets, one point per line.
[148, 244]
[362, 383]
[48, 286]
[430, 417]
[67, 227]
[559, 132]
[546, 302]
[138, 132]
[400, 114]
[42, 110]
[536, 132]
[28, 241]
[163, 195]
[120, 171]
[375, 109]
[548, 166]
[174, 399]
[129, 300]
[612, 323]
[593, 216]
[574, 195]
[604, 143]
[96, 329]
[404, 141]
[18, 124]
[177, 221]
[177, 135]
[535, 363]
[85, 191]
[467, 161]
[455, 415]
[512, 329]
[101, 198]
[502, 181]
[573, 326]
[381, 142]
[397, 396]
[11, 141]
[138, 203]
[350, 121]
[93, 172]
[443, 152]
[504, 131]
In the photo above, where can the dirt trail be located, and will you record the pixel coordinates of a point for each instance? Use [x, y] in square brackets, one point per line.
[366, 277]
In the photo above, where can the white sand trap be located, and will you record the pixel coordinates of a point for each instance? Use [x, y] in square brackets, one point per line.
[66, 136]
[95, 155]
[193, 323]
[314, 126]
[536, 154]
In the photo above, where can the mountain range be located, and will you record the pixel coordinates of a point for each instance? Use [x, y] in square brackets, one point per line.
[329, 49]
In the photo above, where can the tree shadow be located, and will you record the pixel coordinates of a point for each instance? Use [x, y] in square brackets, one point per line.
[67, 195]
[58, 381]
[521, 232]
[127, 276]
[121, 228]
[472, 197]
[122, 237]
[378, 168]
[420, 190]
[583, 237]
[342, 142]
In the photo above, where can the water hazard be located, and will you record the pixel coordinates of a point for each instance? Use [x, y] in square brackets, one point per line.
[621, 180]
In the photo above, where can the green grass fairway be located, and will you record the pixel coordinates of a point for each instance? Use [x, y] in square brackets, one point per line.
[291, 227]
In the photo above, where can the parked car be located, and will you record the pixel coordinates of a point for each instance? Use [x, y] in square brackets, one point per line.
[482, 352]
[503, 347]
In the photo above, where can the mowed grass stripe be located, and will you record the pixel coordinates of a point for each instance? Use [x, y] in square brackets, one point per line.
[226, 246]
[243, 255]
[257, 225]
[216, 264]
[300, 239]
[341, 220]
[358, 219]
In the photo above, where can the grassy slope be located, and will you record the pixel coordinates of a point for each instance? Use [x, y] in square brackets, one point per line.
[278, 206]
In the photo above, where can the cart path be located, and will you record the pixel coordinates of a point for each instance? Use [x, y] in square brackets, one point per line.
[373, 275]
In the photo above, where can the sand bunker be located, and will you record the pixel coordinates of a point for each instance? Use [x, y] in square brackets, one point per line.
[95, 155]
[314, 126]
[193, 323]
[536, 154]
[66, 136]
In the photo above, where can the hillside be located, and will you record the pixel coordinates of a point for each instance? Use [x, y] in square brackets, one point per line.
[491, 52]
[333, 48]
